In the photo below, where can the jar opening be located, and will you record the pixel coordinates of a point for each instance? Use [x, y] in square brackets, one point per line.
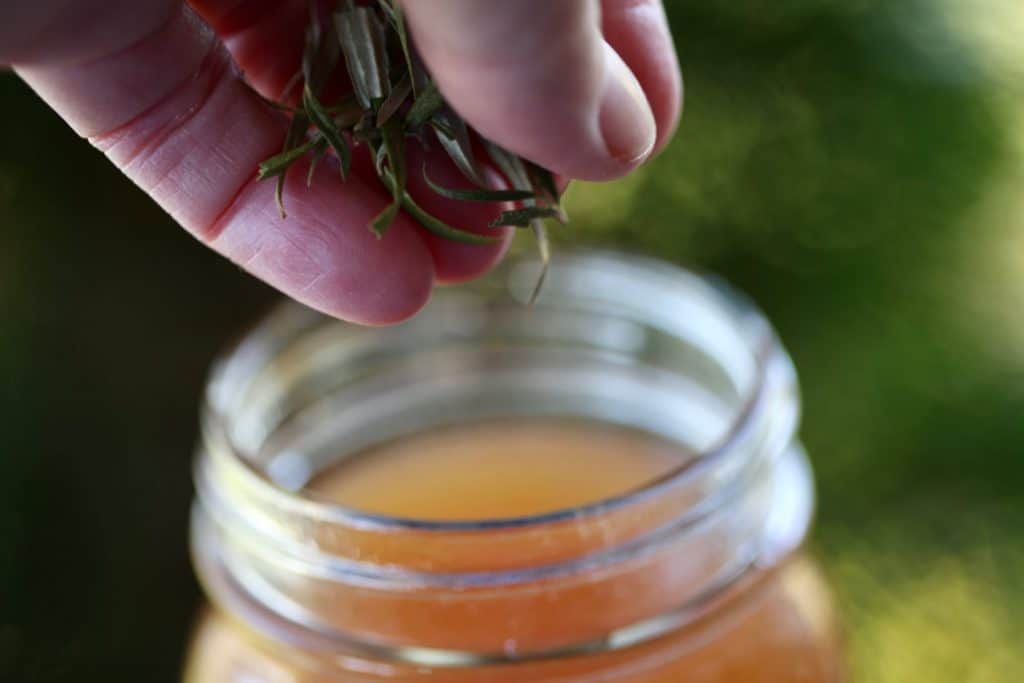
[303, 390]
[614, 340]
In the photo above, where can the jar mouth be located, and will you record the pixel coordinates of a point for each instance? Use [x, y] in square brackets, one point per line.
[333, 512]
[616, 339]
[769, 374]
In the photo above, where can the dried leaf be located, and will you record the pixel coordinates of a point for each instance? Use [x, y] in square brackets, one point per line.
[362, 41]
[319, 150]
[511, 166]
[279, 163]
[365, 131]
[388, 8]
[393, 149]
[293, 149]
[329, 129]
[396, 17]
[427, 103]
[420, 77]
[514, 170]
[367, 36]
[314, 37]
[394, 146]
[544, 249]
[442, 127]
[399, 94]
[442, 229]
[320, 57]
[544, 180]
[459, 147]
[432, 223]
[472, 195]
[380, 224]
[524, 217]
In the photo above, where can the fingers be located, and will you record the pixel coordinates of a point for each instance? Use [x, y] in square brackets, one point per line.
[150, 84]
[536, 77]
[172, 113]
[639, 32]
[455, 261]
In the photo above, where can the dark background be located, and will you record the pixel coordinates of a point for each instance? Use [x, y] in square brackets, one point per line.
[855, 166]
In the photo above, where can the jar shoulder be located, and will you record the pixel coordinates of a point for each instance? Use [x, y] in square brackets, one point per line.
[783, 629]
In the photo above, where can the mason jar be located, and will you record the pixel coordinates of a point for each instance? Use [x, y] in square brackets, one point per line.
[695, 575]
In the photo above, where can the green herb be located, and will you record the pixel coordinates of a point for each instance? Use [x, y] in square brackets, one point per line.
[476, 195]
[399, 94]
[294, 149]
[327, 128]
[515, 170]
[523, 218]
[392, 98]
[277, 165]
[319, 150]
[362, 40]
[392, 151]
[428, 102]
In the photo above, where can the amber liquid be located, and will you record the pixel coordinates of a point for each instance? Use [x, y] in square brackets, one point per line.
[498, 470]
[780, 629]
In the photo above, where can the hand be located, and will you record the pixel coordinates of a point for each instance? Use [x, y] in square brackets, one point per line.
[587, 88]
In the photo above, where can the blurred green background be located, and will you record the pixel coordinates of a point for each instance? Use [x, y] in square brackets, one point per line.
[856, 166]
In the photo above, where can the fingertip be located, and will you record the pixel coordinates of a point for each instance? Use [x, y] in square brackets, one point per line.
[625, 119]
[639, 32]
[391, 305]
[395, 290]
[457, 262]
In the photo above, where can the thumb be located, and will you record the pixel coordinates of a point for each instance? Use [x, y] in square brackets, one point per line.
[537, 77]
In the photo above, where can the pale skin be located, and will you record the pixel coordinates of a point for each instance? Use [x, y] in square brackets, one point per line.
[588, 88]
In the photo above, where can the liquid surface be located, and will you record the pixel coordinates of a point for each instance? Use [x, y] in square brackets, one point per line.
[498, 470]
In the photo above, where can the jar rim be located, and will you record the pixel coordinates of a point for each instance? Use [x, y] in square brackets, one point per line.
[621, 339]
[760, 341]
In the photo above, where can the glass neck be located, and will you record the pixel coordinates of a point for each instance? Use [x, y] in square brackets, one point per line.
[613, 339]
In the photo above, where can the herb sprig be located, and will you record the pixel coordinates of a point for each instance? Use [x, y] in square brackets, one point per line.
[393, 98]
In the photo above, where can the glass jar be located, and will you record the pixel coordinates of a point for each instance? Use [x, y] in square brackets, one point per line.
[696, 576]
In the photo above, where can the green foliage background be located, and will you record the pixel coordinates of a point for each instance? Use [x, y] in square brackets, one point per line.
[857, 167]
